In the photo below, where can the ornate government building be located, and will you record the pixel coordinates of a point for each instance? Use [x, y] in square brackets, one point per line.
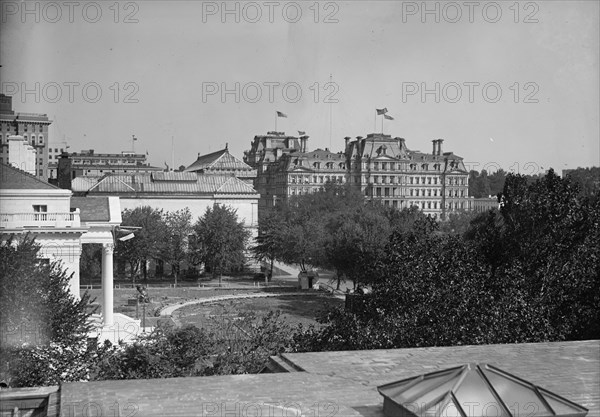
[382, 167]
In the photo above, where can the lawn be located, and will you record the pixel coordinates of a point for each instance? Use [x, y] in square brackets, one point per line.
[294, 308]
[162, 296]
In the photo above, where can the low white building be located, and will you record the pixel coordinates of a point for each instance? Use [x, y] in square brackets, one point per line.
[60, 225]
[171, 191]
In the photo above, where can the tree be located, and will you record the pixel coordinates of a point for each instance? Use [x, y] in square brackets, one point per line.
[220, 239]
[176, 241]
[529, 272]
[269, 240]
[44, 327]
[588, 180]
[148, 241]
[479, 184]
[306, 224]
[458, 223]
[303, 242]
[356, 243]
[35, 301]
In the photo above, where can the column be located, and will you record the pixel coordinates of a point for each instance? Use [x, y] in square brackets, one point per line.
[107, 284]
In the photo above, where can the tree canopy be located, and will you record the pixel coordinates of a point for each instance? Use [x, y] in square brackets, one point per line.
[174, 250]
[36, 305]
[528, 272]
[149, 239]
[220, 239]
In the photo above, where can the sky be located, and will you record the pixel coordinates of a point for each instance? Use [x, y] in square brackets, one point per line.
[506, 84]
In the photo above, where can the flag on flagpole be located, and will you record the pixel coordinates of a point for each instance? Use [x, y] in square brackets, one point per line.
[133, 137]
[381, 111]
[388, 117]
[280, 114]
[301, 133]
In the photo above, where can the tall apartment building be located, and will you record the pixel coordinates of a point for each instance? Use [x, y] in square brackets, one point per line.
[382, 167]
[33, 127]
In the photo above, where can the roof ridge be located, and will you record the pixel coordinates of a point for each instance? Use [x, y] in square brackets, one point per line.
[214, 153]
[225, 151]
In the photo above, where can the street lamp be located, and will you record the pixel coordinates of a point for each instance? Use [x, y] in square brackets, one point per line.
[142, 298]
[127, 237]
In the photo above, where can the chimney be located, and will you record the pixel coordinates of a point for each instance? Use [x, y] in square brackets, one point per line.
[346, 141]
[6, 104]
[439, 148]
[303, 140]
[401, 143]
[434, 152]
[64, 172]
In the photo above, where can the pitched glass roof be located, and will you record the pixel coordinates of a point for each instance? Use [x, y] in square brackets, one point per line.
[473, 390]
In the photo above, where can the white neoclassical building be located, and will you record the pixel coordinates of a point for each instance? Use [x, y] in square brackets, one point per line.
[60, 225]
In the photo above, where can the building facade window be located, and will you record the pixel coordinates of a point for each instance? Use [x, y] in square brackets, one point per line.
[40, 211]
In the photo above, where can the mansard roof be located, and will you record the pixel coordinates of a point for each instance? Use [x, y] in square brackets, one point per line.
[304, 161]
[378, 145]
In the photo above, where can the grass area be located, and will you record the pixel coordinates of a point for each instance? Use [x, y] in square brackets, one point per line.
[294, 309]
[165, 296]
[161, 296]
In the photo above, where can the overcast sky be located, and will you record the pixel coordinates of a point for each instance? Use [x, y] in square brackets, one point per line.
[517, 83]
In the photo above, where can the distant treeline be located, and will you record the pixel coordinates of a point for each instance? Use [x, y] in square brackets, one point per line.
[484, 184]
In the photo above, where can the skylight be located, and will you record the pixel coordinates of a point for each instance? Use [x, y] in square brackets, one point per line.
[473, 390]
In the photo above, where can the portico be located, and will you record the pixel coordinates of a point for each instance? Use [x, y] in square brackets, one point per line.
[101, 216]
[61, 224]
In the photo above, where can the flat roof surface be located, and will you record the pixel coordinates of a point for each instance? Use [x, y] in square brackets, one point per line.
[338, 383]
[569, 369]
[92, 209]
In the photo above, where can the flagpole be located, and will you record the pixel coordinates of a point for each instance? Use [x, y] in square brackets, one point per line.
[330, 115]
[375, 122]
[382, 117]
[276, 116]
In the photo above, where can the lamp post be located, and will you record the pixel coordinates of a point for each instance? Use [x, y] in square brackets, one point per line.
[142, 298]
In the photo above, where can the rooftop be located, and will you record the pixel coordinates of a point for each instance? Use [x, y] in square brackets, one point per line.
[218, 161]
[160, 183]
[339, 383]
[12, 178]
[93, 209]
